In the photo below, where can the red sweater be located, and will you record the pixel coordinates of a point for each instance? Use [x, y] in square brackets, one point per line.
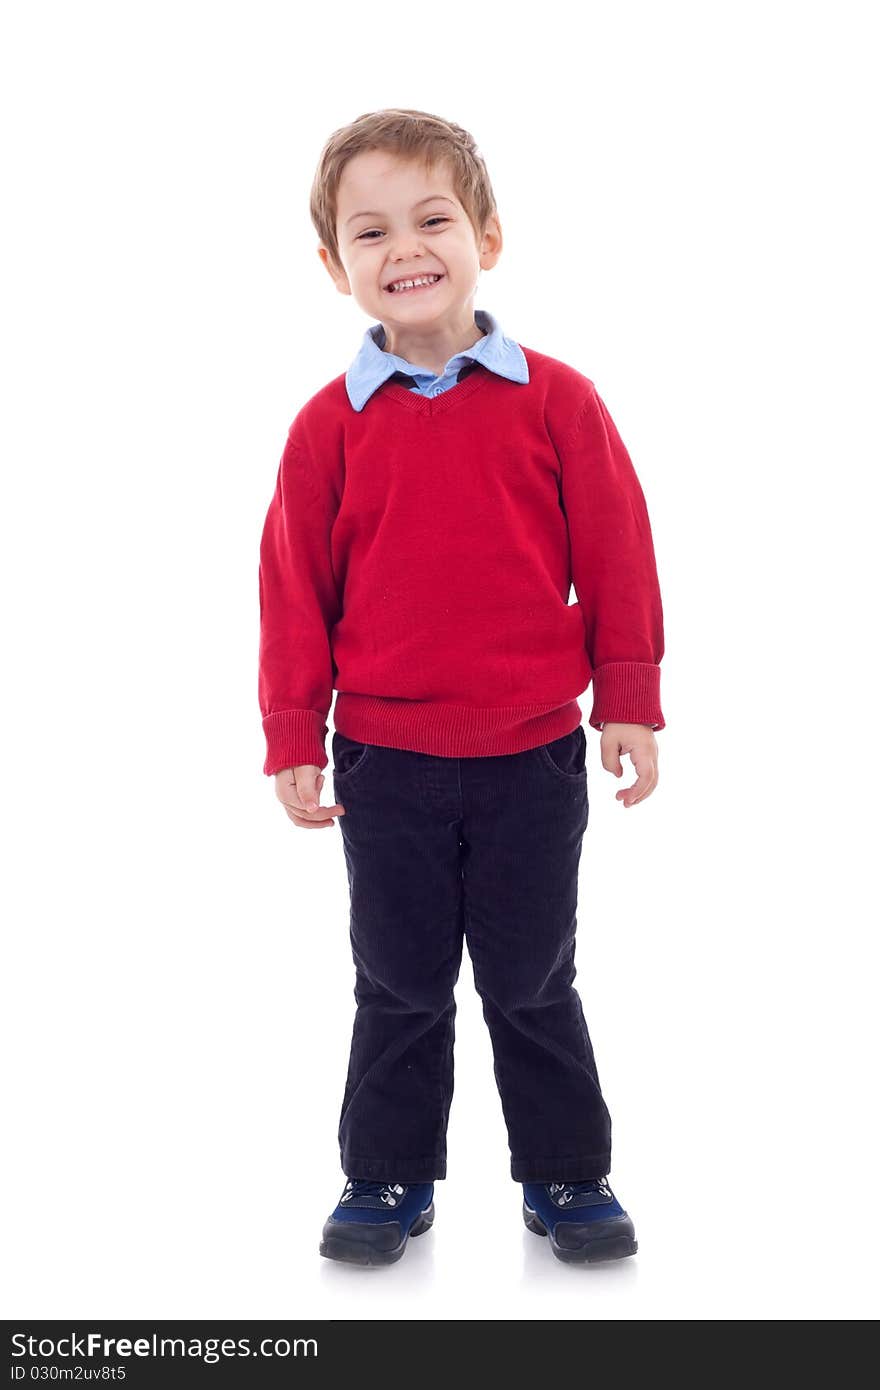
[418, 557]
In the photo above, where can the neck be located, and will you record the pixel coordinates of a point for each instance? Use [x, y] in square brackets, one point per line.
[431, 348]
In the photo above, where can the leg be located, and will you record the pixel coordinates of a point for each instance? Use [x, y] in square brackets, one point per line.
[404, 871]
[525, 816]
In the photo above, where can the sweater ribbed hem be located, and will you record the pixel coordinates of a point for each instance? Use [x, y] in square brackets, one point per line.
[627, 692]
[294, 737]
[452, 731]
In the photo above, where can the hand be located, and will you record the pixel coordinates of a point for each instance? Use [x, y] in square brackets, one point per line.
[639, 742]
[299, 791]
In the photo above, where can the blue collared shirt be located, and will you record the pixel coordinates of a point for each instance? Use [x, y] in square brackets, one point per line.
[373, 366]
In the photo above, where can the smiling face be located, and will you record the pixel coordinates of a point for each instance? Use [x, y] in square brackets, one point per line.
[395, 220]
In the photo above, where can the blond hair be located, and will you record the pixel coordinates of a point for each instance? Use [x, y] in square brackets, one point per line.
[411, 135]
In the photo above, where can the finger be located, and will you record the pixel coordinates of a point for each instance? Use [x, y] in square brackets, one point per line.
[295, 796]
[298, 794]
[322, 813]
[308, 790]
[307, 824]
[610, 755]
[640, 789]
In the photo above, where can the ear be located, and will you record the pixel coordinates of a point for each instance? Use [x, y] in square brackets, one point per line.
[491, 243]
[336, 272]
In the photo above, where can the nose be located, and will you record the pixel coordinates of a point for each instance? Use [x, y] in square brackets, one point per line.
[405, 248]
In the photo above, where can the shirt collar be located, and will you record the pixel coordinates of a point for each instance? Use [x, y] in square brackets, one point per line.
[372, 366]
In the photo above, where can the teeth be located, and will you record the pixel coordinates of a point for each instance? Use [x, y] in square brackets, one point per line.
[408, 284]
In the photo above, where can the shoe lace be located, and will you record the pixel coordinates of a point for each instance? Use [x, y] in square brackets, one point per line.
[388, 1192]
[564, 1192]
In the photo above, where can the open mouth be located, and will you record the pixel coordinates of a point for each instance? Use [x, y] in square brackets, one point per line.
[420, 288]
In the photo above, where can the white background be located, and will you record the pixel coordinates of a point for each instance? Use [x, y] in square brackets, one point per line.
[685, 195]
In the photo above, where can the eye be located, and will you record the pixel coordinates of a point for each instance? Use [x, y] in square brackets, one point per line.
[369, 235]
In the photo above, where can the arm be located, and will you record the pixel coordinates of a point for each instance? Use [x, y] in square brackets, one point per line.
[298, 608]
[613, 570]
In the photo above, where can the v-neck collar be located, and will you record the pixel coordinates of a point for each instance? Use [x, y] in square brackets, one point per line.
[435, 405]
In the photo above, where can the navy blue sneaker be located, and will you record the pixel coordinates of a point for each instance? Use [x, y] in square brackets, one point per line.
[374, 1220]
[584, 1220]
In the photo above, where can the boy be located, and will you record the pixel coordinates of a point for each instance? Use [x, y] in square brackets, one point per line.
[433, 506]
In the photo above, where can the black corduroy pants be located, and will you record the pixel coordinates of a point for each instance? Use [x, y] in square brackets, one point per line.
[486, 850]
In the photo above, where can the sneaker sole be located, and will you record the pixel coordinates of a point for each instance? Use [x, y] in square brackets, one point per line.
[613, 1240]
[358, 1252]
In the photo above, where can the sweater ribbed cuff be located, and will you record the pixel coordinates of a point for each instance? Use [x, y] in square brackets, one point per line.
[294, 737]
[627, 692]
